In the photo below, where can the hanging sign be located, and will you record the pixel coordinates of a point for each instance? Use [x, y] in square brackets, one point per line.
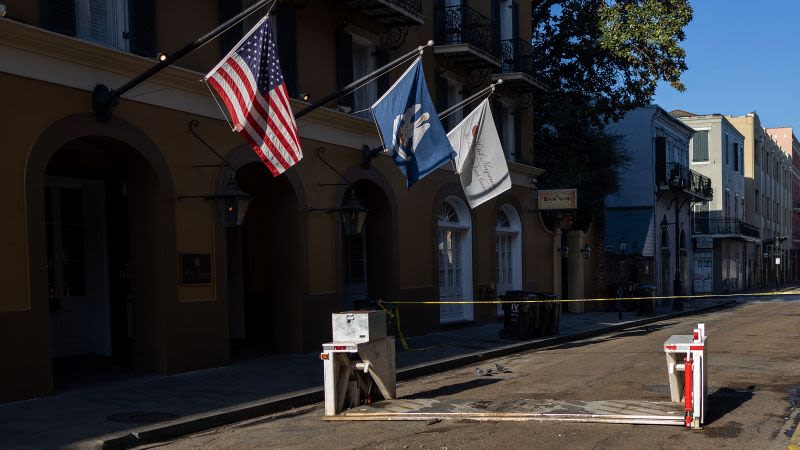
[558, 199]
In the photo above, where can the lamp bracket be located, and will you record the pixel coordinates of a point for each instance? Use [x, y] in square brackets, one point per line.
[367, 154]
[193, 126]
[320, 152]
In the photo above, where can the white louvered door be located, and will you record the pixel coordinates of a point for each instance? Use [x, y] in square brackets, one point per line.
[451, 275]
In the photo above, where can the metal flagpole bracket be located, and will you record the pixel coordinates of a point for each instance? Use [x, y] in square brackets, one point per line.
[488, 89]
[104, 99]
[361, 81]
[368, 153]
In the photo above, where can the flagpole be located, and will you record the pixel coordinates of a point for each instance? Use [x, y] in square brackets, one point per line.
[463, 103]
[105, 99]
[359, 82]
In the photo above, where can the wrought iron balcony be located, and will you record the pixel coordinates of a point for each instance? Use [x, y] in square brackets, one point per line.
[516, 65]
[517, 56]
[466, 36]
[724, 225]
[677, 176]
[392, 12]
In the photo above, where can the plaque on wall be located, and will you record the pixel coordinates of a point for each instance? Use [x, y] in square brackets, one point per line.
[195, 268]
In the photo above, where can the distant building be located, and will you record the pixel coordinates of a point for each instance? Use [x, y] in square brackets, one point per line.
[649, 219]
[721, 235]
[790, 184]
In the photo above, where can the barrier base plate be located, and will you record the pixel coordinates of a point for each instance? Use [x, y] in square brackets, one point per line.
[603, 411]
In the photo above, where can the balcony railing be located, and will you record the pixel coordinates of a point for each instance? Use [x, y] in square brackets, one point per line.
[724, 225]
[676, 175]
[392, 12]
[460, 24]
[517, 56]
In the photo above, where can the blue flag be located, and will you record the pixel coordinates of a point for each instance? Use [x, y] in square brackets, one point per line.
[409, 126]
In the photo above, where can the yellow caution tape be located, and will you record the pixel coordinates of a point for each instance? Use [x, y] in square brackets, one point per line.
[609, 299]
[396, 312]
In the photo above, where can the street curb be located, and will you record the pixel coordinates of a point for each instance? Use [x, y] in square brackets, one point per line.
[225, 416]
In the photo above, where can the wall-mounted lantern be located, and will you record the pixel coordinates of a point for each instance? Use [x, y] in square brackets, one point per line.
[585, 251]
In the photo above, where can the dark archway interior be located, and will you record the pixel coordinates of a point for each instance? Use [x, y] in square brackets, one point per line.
[271, 263]
[378, 239]
[101, 223]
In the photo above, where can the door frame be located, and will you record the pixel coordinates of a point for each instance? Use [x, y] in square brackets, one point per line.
[96, 260]
[464, 226]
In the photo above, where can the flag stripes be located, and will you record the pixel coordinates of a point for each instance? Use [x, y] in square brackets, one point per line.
[252, 88]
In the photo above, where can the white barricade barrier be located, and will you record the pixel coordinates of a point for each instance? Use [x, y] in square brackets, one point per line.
[359, 365]
[686, 370]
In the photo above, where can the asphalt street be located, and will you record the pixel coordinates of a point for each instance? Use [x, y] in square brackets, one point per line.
[754, 377]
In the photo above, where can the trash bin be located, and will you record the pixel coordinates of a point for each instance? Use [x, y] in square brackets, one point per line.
[645, 307]
[551, 313]
[520, 319]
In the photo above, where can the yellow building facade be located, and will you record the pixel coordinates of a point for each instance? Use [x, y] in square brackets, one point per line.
[111, 257]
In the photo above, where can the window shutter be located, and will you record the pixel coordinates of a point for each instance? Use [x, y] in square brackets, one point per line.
[496, 20]
[518, 135]
[465, 93]
[441, 97]
[381, 59]
[515, 20]
[287, 48]
[661, 159]
[142, 32]
[497, 112]
[344, 64]
[59, 16]
[228, 9]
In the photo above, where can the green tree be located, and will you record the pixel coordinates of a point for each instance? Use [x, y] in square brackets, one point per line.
[600, 59]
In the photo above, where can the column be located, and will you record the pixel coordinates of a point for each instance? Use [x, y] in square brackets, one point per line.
[575, 267]
[557, 264]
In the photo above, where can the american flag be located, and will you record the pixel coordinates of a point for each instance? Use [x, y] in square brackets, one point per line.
[250, 82]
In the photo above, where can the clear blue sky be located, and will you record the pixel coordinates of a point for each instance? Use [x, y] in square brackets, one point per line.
[743, 56]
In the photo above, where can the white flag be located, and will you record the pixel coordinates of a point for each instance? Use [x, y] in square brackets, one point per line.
[480, 161]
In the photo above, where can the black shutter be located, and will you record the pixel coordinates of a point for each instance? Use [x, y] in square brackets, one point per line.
[518, 135]
[344, 64]
[59, 16]
[228, 9]
[496, 20]
[497, 112]
[441, 97]
[515, 20]
[287, 48]
[661, 160]
[142, 33]
[465, 93]
[381, 59]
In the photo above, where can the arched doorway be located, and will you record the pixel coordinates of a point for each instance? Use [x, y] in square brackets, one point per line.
[102, 228]
[368, 262]
[454, 243]
[666, 254]
[264, 315]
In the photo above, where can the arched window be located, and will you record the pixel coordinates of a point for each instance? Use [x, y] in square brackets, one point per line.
[508, 251]
[454, 243]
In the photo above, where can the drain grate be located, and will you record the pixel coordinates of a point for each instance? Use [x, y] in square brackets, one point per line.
[141, 417]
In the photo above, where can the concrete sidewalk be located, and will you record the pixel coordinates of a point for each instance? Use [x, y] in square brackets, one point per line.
[152, 408]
